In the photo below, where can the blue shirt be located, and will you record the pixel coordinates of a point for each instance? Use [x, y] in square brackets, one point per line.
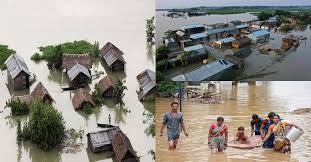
[173, 124]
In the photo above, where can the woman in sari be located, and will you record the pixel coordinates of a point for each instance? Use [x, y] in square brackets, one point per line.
[218, 136]
[281, 143]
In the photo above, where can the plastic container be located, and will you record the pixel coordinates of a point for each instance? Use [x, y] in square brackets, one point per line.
[294, 133]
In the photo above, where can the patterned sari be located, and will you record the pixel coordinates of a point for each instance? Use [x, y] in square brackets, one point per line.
[281, 143]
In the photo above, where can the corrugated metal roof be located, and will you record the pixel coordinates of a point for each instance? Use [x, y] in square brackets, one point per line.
[76, 70]
[204, 72]
[102, 137]
[242, 26]
[258, 33]
[191, 26]
[198, 35]
[220, 30]
[194, 48]
[16, 64]
[226, 40]
[112, 55]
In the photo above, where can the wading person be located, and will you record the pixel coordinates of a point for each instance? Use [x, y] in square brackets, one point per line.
[174, 122]
[218, 136]
[265, 128]
[281, 143]
[256, 124]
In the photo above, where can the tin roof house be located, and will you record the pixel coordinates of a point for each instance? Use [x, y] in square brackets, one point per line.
[18, 72]
[224, 43]
[193, 29]
[147, 83]
[101, 140]
[78, 67]
[219, 33]
[259, 36]
[113, 56]
[198, 37]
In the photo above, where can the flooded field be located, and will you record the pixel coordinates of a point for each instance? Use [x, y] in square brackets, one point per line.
[239, 103]
[258, 66]
[28, 25]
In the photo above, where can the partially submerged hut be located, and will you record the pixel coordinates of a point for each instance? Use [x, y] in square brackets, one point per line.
[78, 69]
[290, 41]
[41, 93]
[193, 29]
[18, 73]
[23, 99]
[122, 148]
[224, 43]
[113, 56]
[101, 140]
[259, 36]
[106, 86]
[79, 76]
[147, 83]
[82, 99]
[245, 41]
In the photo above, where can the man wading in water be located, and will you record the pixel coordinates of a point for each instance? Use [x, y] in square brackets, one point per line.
[174, 122]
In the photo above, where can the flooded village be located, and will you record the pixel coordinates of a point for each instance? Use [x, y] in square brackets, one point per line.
[240, 46]
[103, 97]
[236, 102]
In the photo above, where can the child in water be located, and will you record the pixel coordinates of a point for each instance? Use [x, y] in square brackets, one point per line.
[241, 137]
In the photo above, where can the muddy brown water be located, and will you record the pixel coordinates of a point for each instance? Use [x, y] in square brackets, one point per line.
[238, 105]
[27, 26]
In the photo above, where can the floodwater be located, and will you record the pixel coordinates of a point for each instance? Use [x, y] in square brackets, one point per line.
[257, 66]
[25, 26]
[239, 103]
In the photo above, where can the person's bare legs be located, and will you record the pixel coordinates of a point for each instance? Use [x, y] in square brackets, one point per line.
[171, 144]
[220, 150]
[175, 143]
[214, 150]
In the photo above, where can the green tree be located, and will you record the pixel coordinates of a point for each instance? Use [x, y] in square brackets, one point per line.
[264, 16]
[46, 126]
[5, 53]
[17, 108]
[161, 52]
[150, 27]
[118, 91]
[96, 95]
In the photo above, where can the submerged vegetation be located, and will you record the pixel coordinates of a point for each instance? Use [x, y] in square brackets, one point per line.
[5, 53]
[53, 53]
[18, 108]
[96, 96]
[118, 91]
[46, 126]
[150, 27]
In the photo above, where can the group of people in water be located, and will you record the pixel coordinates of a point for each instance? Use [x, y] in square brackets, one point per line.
[272, 131]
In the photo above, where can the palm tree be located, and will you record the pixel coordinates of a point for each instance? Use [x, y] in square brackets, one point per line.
[118, 91]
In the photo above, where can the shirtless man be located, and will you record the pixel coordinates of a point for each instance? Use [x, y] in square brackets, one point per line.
[174, 122]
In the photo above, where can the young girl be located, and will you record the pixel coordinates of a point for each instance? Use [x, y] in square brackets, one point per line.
[240, 136]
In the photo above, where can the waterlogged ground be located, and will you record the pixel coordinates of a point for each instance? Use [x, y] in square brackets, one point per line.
[238, 105]
[28, 25]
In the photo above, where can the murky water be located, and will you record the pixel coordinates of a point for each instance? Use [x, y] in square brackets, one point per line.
[239, 104]
[27, 25]
[257, 66]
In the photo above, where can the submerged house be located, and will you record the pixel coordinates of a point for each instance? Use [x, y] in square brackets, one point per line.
[82, 99]
[197, 49]
[122, 148]
[78, 68]
[219, 33]
[41, 93]
[101, 140]
[18, 73]
[245, 41]
[198, 38]
[113, 56]
[180, 35]
[238, 63]
[193, 29]
[259, 36]
[147, 83]
[28, 99]
[224, 43]
[235, 22]
[106, 86]
[171, 44]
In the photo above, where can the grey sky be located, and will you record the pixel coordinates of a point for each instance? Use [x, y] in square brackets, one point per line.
[191, 3]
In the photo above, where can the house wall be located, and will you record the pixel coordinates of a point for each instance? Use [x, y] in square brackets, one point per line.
[117, 65]
[20, 82]
[108, 93]
[80, 81]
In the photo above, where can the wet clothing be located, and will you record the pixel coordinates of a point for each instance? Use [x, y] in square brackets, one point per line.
[173, 125]
[269, 142]
[256, 126]
[218, 138]
[281, 143]
[241, 136]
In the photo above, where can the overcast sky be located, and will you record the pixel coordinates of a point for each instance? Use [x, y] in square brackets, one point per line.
[191, 3]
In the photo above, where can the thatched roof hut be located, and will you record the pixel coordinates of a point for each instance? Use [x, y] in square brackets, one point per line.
[106, 85]
[69, 60]
[41, 93]
[81, 99]
[23, 99]
[122, 148]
